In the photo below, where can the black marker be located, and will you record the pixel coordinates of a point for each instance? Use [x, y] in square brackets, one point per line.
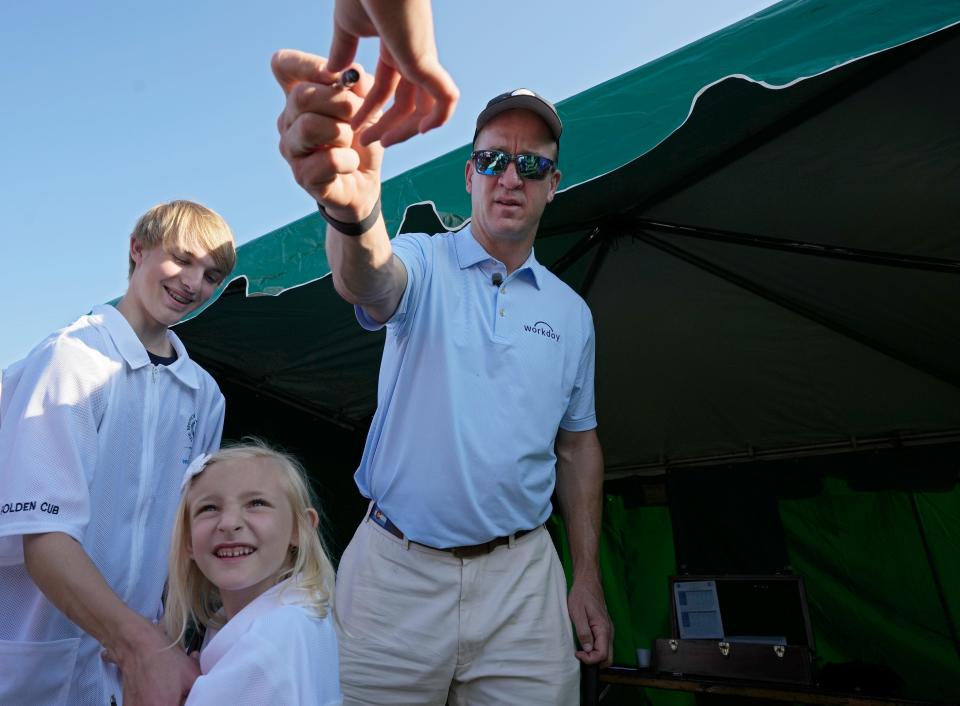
[348, 78]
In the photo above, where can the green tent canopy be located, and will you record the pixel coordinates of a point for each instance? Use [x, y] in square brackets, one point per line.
[765, 215]
[765, 226]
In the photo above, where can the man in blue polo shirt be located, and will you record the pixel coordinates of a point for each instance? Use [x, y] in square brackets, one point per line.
[451, 590]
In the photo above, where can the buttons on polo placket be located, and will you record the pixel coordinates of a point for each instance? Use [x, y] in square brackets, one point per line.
[501, 291]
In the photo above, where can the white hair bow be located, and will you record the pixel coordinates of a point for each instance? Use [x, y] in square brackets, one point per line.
[195, 467]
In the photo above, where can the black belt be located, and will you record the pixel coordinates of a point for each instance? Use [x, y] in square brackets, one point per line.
[466, 551]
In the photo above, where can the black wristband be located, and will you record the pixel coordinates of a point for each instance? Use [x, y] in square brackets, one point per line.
[352, 229]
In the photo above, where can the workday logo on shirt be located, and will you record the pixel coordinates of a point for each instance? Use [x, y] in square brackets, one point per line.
[542, 328]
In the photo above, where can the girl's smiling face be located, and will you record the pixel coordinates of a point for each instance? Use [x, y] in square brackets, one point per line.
[241, 528]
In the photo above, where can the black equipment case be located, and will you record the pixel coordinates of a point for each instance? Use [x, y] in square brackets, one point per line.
[758, 626]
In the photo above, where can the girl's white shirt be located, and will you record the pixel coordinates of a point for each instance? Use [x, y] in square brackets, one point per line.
[274, 651]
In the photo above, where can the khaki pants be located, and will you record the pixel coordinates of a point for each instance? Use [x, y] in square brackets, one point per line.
[422, 627]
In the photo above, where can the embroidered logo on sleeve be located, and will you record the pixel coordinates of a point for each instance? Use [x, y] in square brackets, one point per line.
[542, 328]
[29, 506]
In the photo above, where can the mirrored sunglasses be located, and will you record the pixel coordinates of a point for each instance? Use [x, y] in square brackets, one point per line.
[494, 163]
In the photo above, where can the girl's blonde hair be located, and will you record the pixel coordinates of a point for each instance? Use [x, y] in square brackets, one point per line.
[193, 601]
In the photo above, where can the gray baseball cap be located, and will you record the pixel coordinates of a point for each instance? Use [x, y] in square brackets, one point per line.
[525, 99]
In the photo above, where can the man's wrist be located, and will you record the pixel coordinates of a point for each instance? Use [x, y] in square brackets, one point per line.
[352, 228]
[587, 576]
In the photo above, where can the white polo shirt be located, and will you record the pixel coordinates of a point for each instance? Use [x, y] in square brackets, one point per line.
[94, 439]
[274, 652]
[475, 381]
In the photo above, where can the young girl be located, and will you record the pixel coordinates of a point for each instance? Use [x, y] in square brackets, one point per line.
[247, 564]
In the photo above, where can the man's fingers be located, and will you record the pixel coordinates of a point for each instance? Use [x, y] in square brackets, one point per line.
[595, 647]
[445, 94]
[592, 658]
[416, 109]
[432, 79]
[321, 166]
[603, 642]
[291, 66]
[397, 121]
[586, 641]
[311, 132]
[320, 174]
[329, 101]
[602, 630]
[440, 114]
[384, 85]
[591, 624]
[343, 49]
[581, 624]
[402, 130]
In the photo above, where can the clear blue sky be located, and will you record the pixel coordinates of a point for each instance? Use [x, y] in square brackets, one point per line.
[109, 107]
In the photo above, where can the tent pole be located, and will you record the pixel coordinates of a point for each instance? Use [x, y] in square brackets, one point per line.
[581, 247]
[875, 257]
[790, 453]
[595, 264]
[937, 582]
[795, 306]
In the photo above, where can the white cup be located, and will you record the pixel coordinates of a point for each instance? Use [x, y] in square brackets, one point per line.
[643, 658]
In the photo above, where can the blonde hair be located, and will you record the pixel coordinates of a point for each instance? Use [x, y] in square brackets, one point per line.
[193, 601]
[190, 226]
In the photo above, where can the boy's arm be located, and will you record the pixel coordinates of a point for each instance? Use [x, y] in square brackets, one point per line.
[154, 673]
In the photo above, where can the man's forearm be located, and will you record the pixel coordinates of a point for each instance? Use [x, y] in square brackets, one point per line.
[65, 574]
[359, 263]
[580, 493]
[365, 271]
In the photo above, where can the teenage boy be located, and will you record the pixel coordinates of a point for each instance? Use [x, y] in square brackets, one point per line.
[97, 424]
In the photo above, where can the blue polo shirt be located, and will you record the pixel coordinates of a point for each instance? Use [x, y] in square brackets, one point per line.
[475, 381]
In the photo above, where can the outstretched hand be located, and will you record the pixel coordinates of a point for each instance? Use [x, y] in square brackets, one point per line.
[408, 70]
[588, 611]
[317, 137]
